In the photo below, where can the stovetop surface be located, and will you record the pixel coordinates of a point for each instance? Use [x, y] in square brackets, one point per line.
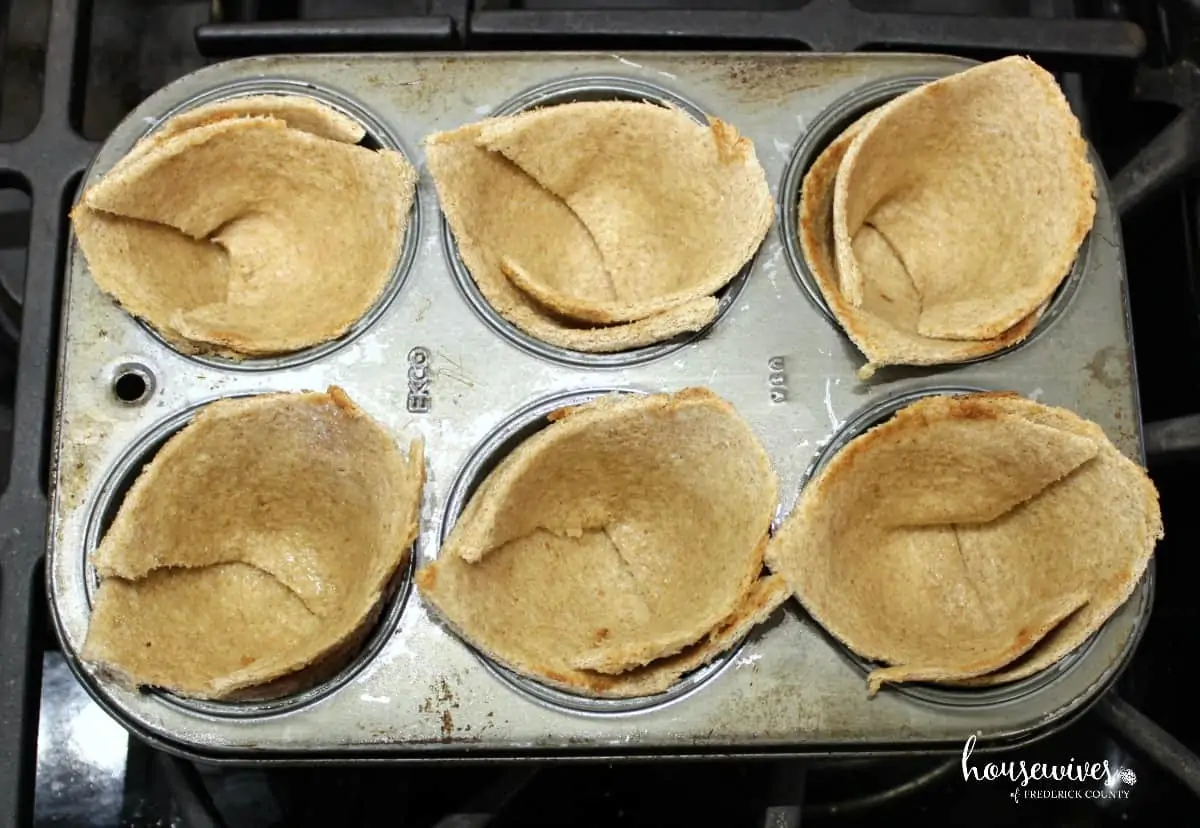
[88, 771]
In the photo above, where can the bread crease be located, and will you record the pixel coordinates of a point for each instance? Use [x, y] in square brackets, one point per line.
[615, 549]
[969, 540]
[939, 226]
[248, 228]
[602, 226]
[255, 551]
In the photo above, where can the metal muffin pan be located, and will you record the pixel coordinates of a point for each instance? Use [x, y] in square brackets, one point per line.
[432, 361]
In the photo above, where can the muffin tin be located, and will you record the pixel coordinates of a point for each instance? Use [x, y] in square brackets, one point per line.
[433, 359]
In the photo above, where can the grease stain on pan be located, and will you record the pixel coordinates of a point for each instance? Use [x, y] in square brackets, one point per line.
[771, 80]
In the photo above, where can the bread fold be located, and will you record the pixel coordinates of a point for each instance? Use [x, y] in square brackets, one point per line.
[616, 549]
[256, 549]
[939, 226]
[969, 540]
[601, 226]
[253, 227]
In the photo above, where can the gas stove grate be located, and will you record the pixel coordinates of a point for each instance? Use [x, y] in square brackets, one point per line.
[1051, 36]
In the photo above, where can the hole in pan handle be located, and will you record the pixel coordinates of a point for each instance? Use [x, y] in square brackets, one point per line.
[133, 383]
